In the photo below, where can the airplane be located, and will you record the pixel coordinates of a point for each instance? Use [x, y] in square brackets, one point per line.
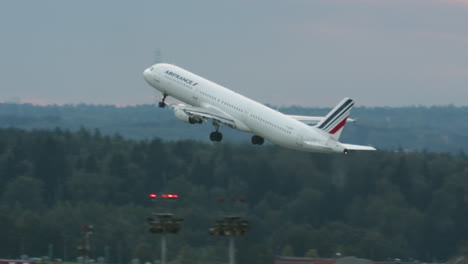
[205, 100]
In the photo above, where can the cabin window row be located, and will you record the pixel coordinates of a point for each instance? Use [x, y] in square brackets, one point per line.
[271, 124]
[208, 95]
[232, 106]
[223, 102]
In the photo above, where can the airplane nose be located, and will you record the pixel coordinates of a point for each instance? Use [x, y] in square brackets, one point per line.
[146, 74]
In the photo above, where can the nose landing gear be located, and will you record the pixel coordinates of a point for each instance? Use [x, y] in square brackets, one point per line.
[162, 104]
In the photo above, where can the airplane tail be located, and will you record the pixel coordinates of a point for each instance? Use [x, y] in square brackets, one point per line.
[334, 121]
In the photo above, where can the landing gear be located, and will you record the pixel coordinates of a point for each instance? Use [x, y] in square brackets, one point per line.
[257, 140]
[162, 104]
[216, 135]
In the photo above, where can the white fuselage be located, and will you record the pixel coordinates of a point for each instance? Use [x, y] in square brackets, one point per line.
[249, 115]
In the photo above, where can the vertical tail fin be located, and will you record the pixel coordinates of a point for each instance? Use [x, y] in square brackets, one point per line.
[334, 121]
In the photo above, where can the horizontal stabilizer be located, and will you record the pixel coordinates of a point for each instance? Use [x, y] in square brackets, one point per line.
[357, 147]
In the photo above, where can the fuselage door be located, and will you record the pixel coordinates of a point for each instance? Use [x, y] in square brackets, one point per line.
[299, 139]
[196, 92]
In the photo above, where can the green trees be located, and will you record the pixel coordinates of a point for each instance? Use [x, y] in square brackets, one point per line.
[374, 205]
[26, 192]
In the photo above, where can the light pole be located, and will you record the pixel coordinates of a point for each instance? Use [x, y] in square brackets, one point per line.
[164, 223]
[232, 250]
[85, 246]
[230, 226]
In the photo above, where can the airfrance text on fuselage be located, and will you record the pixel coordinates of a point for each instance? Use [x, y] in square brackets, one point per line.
[188, 81]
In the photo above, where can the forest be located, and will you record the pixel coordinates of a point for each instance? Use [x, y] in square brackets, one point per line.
[379, 205]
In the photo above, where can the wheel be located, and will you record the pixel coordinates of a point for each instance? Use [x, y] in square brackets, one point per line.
[216, 136]
[260, 141]
[213, 136]
[254, 140]
[161, 104]
[257, 140]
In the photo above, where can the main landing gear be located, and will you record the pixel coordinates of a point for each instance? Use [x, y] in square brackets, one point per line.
[257, 140]
[216, 135]
[162, 104]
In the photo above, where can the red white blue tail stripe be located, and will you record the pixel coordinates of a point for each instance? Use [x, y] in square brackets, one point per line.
[336, 119]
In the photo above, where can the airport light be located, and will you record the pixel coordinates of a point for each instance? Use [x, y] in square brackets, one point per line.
[230, 226]
[165, 196]
[85, 246]
[164, 223]
[170, 196]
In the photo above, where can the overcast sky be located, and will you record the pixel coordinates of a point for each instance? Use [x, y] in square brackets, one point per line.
[296, 52]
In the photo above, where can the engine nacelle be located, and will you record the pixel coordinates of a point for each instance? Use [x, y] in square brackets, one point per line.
[180, 114]
[184, 117]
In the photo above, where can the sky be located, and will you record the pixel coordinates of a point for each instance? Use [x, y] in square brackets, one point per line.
[310, 53]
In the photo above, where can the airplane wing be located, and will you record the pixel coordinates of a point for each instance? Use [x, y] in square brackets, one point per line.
[357, 147]
[313, 120]
[207, 113]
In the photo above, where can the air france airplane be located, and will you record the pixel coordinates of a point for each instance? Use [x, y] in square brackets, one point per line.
[206, 100]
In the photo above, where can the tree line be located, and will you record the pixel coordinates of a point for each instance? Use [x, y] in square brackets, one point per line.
[375, 205]
[436, 128]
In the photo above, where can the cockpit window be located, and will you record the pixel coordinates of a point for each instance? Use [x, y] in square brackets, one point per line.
[152, 68]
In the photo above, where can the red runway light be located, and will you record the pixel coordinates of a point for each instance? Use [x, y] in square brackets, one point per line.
[170, 196]
[152, 195]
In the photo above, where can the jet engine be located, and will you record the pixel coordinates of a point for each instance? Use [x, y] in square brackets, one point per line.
[184, 117]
